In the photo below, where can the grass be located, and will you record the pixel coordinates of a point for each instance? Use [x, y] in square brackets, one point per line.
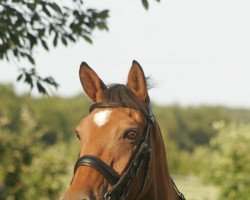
[193, 189]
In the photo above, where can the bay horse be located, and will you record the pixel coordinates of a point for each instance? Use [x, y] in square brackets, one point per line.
[122, 154]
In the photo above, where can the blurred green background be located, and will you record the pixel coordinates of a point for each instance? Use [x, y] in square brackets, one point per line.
[207, 147]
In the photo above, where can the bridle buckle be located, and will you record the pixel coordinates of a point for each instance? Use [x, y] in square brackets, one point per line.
[106, 196]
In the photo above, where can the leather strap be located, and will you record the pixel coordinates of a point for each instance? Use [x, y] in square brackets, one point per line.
[148, 114]
[100, 166]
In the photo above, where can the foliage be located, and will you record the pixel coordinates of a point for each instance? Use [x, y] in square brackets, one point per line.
[229, 163]
[32, 165]
[31, 77]
[193, 188]
[26, 24]
[26, 170]
[51, 171]
[38, 146]
[191, 126]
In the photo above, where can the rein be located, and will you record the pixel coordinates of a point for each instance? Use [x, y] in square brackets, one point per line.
[141, 161]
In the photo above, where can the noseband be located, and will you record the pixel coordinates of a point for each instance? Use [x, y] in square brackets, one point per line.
[121, 184]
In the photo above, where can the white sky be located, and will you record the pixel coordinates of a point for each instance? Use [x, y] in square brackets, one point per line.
[197, 51]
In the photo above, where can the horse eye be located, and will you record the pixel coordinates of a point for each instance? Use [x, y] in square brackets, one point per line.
[131, 134]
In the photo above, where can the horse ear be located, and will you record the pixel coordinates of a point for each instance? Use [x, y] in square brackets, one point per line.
[137, 82]
[91, 83]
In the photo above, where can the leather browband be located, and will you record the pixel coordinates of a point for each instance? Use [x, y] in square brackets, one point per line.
[148, 114]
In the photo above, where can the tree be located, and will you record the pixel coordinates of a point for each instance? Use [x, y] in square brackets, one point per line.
[33, 167]
[25, 24]
[229, 162]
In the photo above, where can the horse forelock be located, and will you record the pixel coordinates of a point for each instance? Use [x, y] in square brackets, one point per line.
[120, 94]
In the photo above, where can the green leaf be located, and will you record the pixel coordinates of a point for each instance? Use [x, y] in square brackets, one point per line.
[28, 79]
[31, 59]
[45, 46]
[55, 40]
[33, 71]
[41, 32]
[15, 51]
[102, 25]
[87, 39]
[76, 13]
[40, 88]
[31, 6]
[55, 7]
[19, 77]
[46, 11]
[49, 80]
[71, 38]
[14, 38]
[32, 39]
[145, 4]
[64, 41]
[104, 14]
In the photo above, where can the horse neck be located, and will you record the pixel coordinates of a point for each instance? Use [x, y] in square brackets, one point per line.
[161, 187]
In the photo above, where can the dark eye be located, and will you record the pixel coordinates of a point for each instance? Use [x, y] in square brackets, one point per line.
[77, 134]
[131, 134]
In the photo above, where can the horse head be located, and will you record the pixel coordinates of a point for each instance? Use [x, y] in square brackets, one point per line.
[120, 143]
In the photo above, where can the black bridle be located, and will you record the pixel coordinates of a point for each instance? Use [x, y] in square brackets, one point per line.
[141, 161]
